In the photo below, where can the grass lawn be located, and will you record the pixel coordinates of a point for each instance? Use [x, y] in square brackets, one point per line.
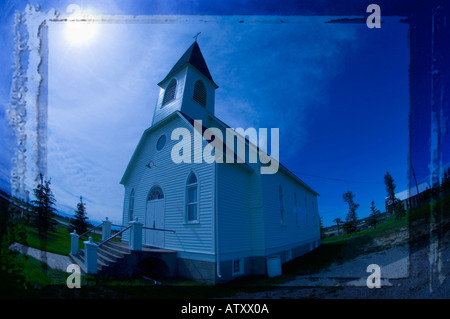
[23, 276]
[55, 242]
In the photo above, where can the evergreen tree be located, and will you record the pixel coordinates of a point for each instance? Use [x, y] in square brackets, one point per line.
[391, 201]
[394, 205]
[79, 223]
[351, 220]
[44, 207]
[390, 185]
[374, 217]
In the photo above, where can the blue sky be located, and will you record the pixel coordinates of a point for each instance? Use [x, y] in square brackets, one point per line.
[337, 92]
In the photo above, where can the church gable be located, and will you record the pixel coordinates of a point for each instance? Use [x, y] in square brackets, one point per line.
[146, 148]
[186, 189]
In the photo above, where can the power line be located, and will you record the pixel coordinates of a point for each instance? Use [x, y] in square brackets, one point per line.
[338, 179]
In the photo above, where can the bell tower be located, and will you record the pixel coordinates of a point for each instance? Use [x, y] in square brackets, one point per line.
[188, 88]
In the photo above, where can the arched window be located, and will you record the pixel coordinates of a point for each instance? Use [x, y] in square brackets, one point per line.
[155, 193]
[200, 93]
[192, 198]
[280, 193]
[170, 93]
[131, 206]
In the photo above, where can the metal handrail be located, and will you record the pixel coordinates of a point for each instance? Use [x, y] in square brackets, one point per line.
[116, 234]
[92, 229]
[118, 225]
[160, 229]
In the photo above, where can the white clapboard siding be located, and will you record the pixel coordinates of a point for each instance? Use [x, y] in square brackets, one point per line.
[190, 107]
[256, 211]
[289, 234]
[172, 177]
[234, 220]
[162, 112]
[184, 100]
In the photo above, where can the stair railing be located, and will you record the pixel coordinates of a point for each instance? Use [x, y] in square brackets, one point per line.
[159, 229]
[91, 230]
[113, 236]
[74, 238]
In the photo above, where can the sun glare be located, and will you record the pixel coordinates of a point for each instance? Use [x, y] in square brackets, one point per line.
[80, 32]
[80, 27]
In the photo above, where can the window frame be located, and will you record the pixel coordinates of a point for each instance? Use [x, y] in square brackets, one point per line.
[306, 213]
[188, 203]
[202, 90]
[282, 209]
[150, 191]
[240, 263]
[166, 91]
[157, 141]
[131, 205]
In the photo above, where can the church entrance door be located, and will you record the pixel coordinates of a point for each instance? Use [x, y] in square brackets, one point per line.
[155, 218]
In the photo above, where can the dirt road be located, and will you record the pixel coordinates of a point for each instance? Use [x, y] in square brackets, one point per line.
[408, 271]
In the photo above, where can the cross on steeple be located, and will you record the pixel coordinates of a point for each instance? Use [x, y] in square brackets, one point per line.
[196, 36]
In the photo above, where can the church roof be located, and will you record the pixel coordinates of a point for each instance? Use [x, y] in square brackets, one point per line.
[194, 57]
[191, 122]
[412, 191]
[281, 166]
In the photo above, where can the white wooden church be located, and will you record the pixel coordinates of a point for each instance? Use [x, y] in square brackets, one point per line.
[225, 219]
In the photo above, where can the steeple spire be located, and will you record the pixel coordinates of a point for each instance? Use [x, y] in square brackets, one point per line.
[196, 36]
[194, 57]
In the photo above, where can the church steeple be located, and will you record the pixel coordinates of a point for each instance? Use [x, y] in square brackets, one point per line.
[188, 87]
[194, 57]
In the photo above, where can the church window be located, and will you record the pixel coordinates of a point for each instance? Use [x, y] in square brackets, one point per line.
[131, 206]
[161, 142]
[155, 193]
[297, 210]
[280, 193]
[238, 267]
[192, 198]
[200, 93]
[169, 95]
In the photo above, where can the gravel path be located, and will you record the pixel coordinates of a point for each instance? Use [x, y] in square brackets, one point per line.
[393, 263]
[54, 261]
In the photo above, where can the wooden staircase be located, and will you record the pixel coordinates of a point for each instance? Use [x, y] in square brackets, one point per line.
[108, 254]
[117, 260]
